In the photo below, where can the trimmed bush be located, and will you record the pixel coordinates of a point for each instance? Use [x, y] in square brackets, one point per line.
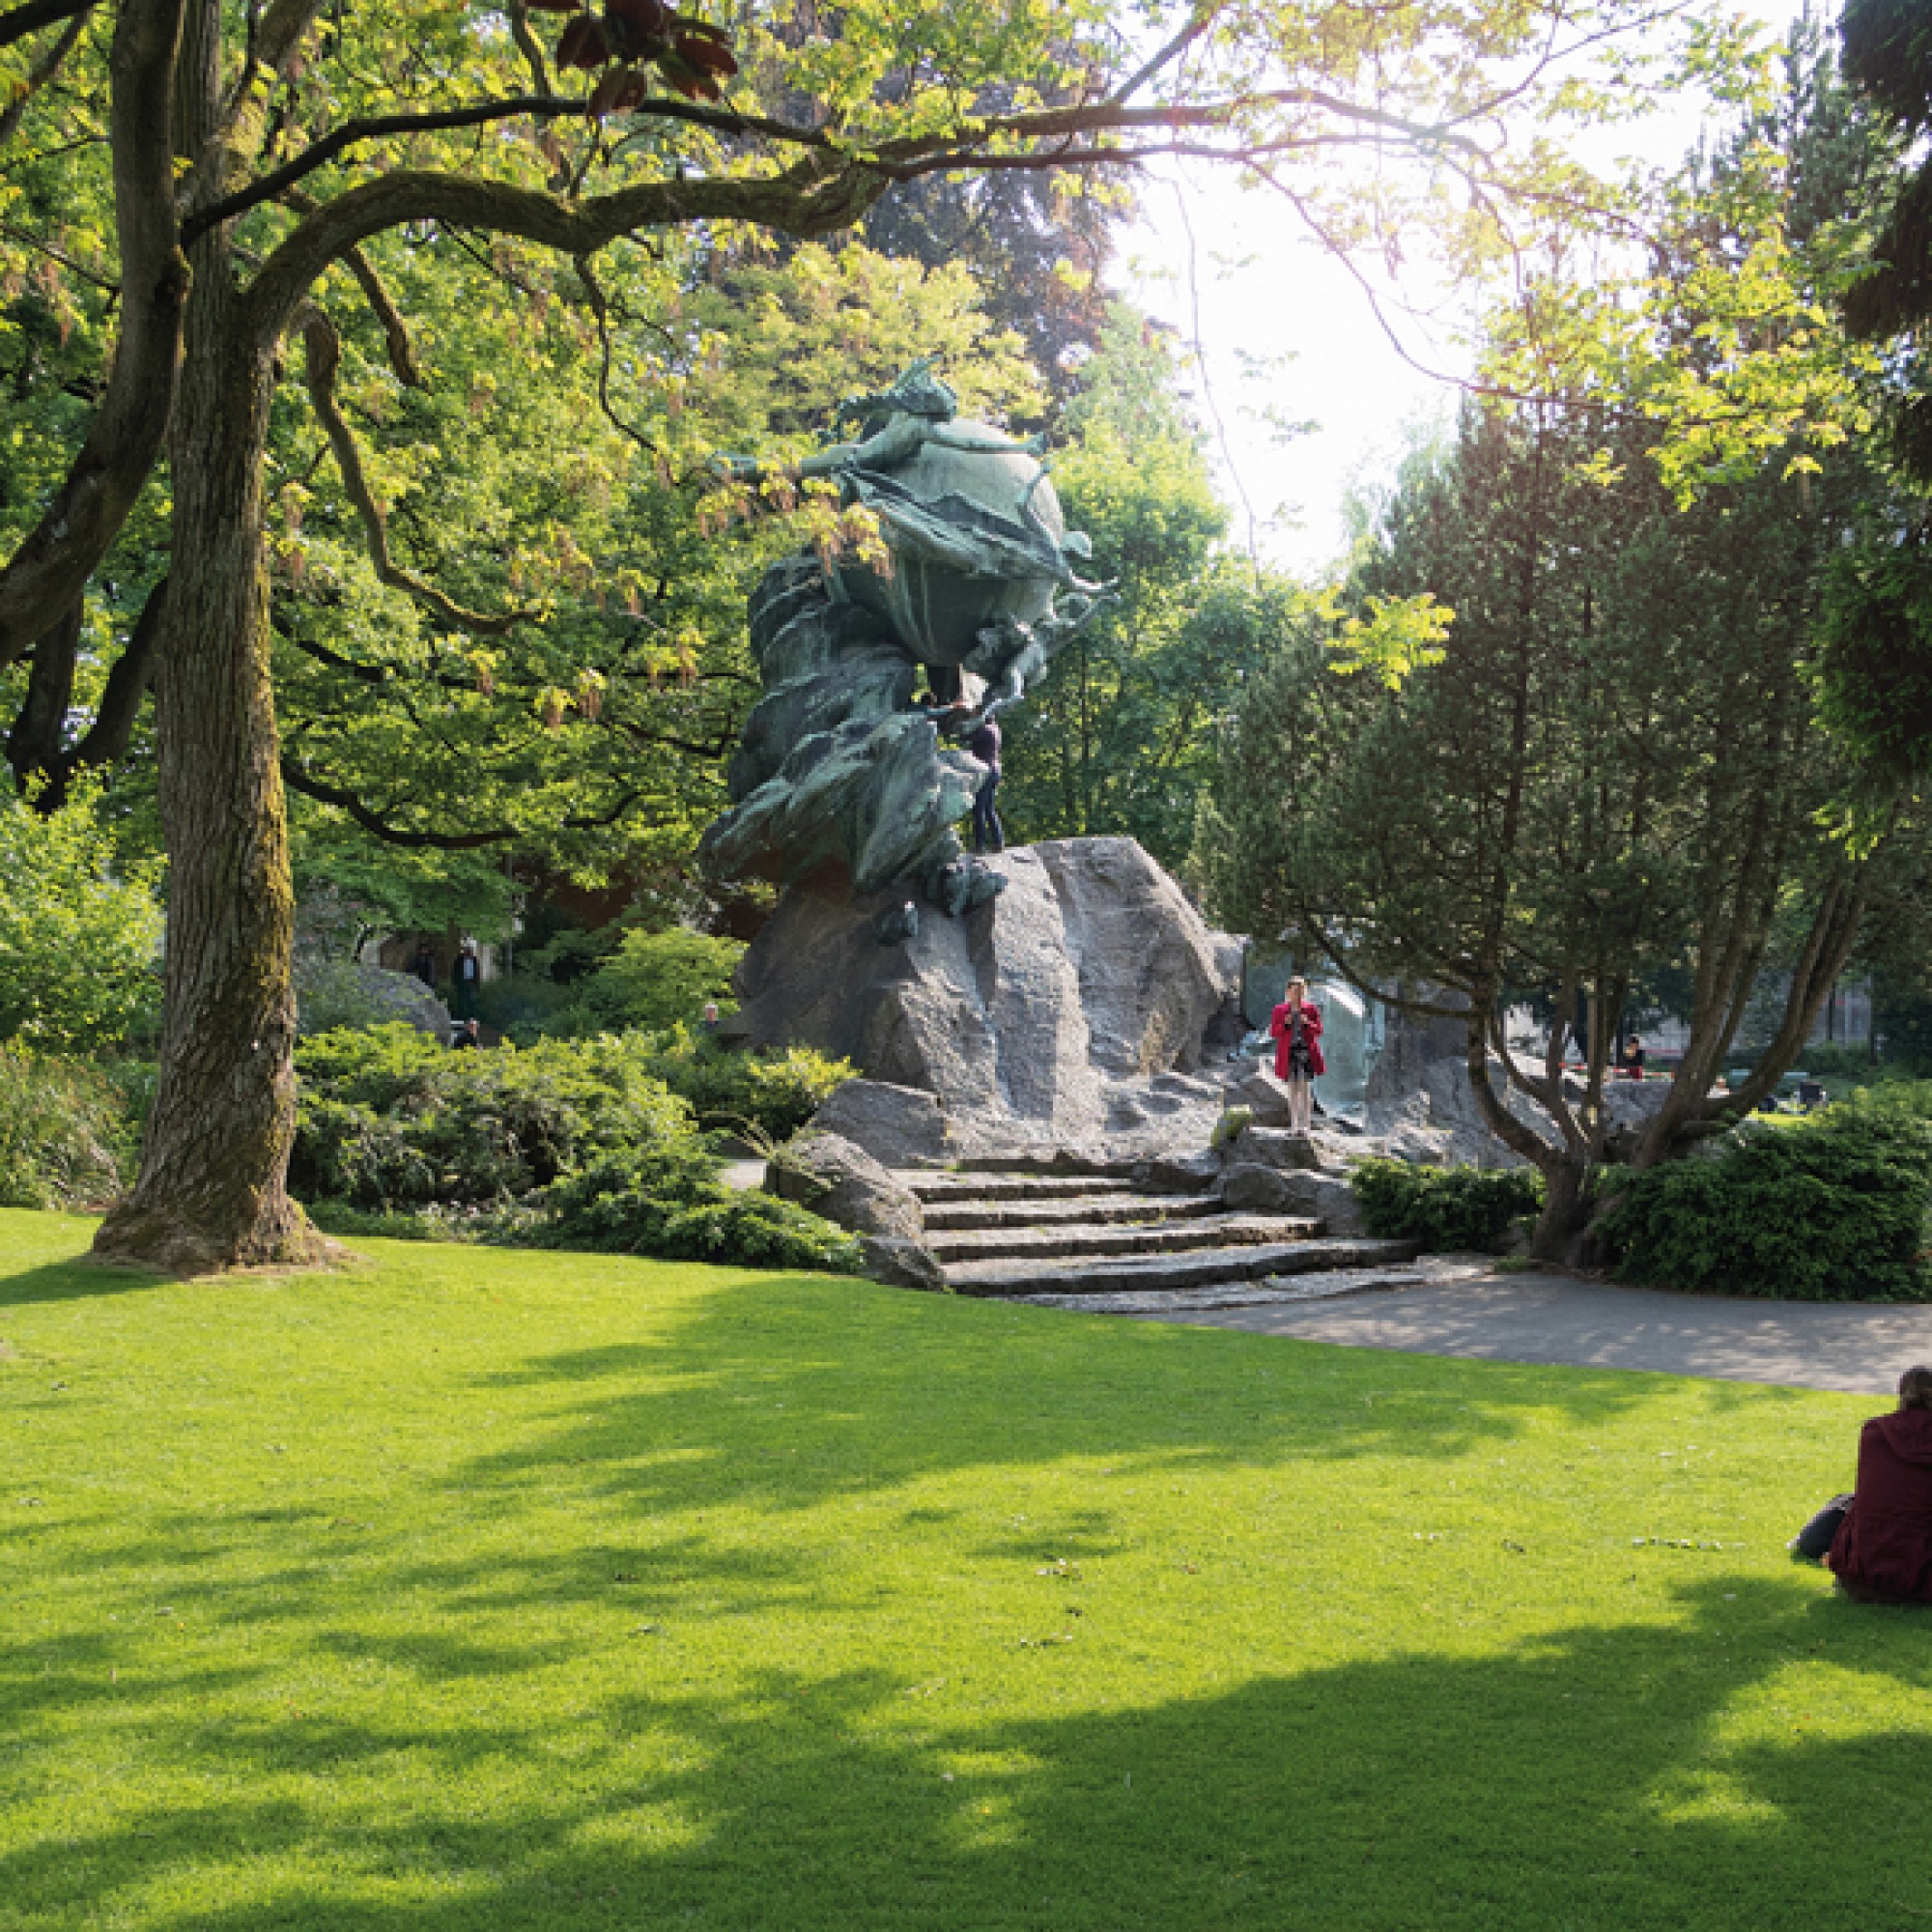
[390, 1117]
[568, 1142]
[1444, 1207]
[657, 1202]
[69, 1133]
[1835, 1208]
[775, 1092]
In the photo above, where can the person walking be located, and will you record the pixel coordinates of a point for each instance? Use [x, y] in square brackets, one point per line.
[466, 978]
[1297, 1027]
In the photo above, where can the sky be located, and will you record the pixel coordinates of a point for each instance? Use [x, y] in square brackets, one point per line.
[1277, 332]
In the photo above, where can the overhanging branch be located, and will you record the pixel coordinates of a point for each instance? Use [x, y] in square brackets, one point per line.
[323, 349]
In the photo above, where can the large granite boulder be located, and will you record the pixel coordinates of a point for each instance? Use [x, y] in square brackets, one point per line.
[832, 1176]
[899, 1126]
[1272, 1147]
[1081, 1004]
[334, 992]
[902, 1263]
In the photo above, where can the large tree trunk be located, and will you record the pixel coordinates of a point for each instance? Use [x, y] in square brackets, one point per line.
[212, 1191]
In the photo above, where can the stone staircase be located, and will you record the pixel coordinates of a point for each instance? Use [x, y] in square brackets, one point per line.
[1100, 1238]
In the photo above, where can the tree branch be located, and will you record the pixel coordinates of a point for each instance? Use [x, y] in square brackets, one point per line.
[275, 185]
[107, 738]
[815, 196]
[529, 46]
[298, 778]
[20, 22]
[323, 349]
[51, 567]
[395, 330]
[34, 745]
[41, 72]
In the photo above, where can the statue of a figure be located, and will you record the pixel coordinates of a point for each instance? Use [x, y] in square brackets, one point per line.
[978, 553]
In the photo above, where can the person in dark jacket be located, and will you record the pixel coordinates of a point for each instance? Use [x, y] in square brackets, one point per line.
[1883, 1550]
[464, 978]
[1297, 1026]
[988, 834]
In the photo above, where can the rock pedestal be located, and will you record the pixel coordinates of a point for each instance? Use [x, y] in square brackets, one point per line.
[1088, 1002]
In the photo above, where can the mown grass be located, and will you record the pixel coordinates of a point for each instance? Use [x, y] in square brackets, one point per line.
[479, 1589]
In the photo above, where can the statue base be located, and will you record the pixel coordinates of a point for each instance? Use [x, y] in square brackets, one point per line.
[1087, 1005]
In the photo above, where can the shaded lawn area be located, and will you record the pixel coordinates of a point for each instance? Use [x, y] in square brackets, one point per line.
[475, 1589]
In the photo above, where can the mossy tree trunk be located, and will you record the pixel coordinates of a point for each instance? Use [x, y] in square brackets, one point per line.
[212, 1191]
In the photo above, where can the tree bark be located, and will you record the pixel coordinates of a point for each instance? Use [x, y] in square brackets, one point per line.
[211, 1192]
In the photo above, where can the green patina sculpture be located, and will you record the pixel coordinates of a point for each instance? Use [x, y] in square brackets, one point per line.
[835, 765]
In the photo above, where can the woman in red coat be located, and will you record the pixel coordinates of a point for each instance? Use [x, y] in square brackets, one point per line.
[1882, 1549]
[1297, 1027]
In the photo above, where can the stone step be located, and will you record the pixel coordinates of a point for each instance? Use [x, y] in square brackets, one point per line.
[950, 1186]
[1058, 1160]
[1270, 1291]
[1086, 1237]
[1154, 1210]
[1147, 1273]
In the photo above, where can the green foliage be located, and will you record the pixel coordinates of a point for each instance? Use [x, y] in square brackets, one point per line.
[389, 1116]
[1829, 1210]
[1232, 1123]
[667, 1201]
[774, 1091]
[1875, 669]
[66, 1132]
[577, 1142]
[657, 980]
[1443, 1207]
[77, 944]
[1118, 735]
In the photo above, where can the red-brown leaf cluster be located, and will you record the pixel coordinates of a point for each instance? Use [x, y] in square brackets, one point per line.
[630, 36]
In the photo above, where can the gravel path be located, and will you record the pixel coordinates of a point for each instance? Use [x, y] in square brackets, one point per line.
[1463, 1309]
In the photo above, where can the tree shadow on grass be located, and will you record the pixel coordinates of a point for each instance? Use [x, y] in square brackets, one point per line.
[74, 1281]
[1611, 1778]
[784, 1398]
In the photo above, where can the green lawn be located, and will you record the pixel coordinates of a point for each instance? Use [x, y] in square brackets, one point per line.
[490, 1590]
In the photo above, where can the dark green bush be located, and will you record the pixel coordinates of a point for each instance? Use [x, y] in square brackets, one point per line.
[1833, 1209]
[657, 1202]
[389, 1118]
[775, 1092]
[568, 1142]
[1444, 1207]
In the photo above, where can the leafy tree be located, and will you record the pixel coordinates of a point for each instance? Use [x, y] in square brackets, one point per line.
[659, 980]
[1604, 774]
[305, 136]
[1117, 737]
[79, 943]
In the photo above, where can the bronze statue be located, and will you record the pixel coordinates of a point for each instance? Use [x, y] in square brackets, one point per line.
[834, 766]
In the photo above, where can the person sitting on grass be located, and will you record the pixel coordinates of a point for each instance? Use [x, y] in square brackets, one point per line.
[1880, 1535]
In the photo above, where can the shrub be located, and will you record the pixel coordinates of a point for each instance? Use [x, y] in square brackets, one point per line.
[67, 1132]
[657, 980]
[775, 1092]
[1833, 1209]
[389, 1118]
[658, 1203]
[572, 1143]
[78, 947]
[1444, 1206]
